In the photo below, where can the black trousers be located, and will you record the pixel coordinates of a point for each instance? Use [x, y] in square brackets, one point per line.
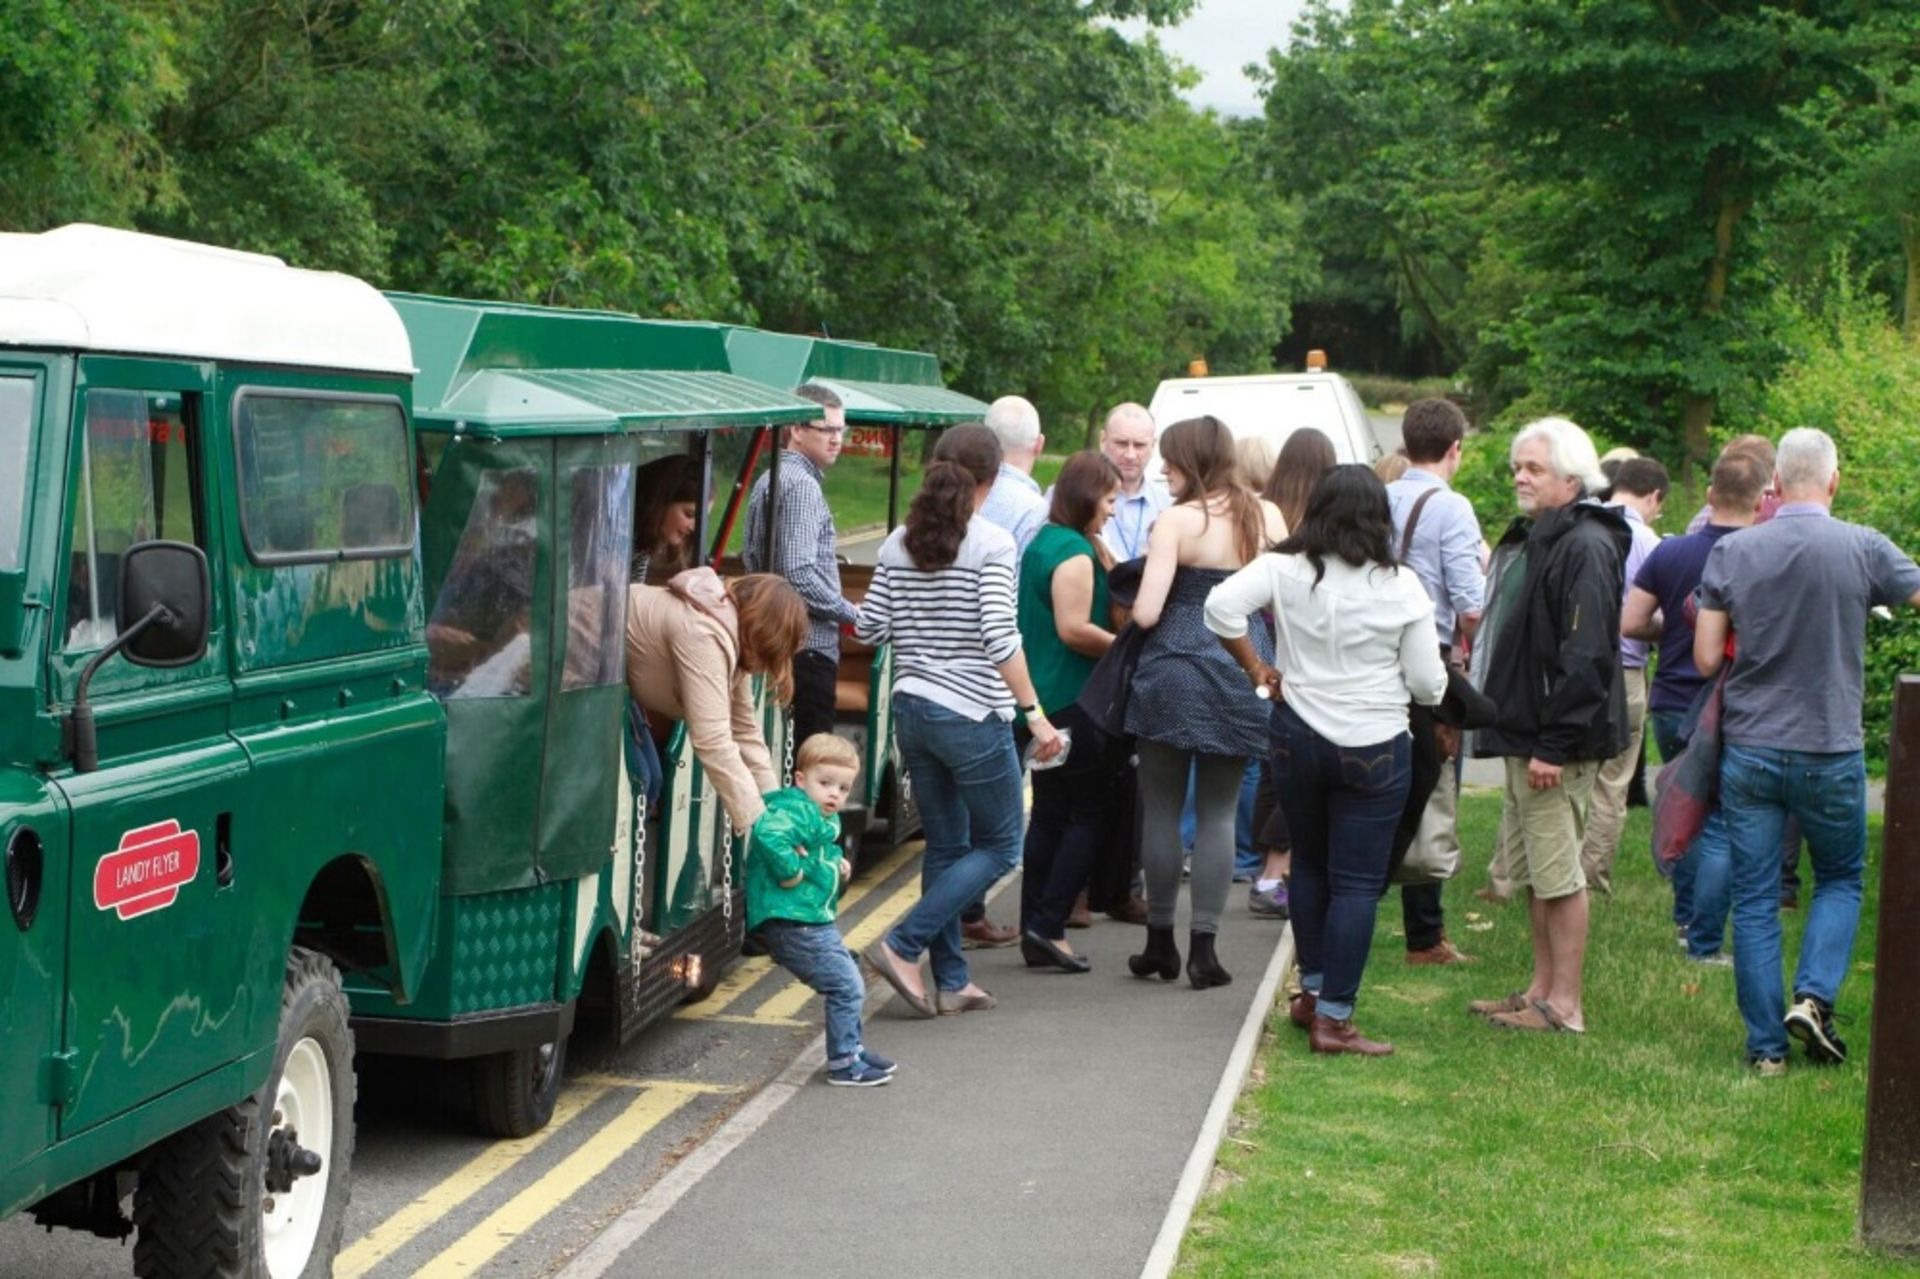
[1420, 909]
[815, 676]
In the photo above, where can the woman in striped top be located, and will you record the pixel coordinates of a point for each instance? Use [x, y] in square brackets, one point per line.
[942, 595]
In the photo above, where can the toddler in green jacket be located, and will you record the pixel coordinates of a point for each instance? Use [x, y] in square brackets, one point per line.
[794, 873]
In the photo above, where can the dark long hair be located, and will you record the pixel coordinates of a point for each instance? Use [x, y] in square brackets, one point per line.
[966, 457]
[1347, 516]
[1304, 458]
[1087, 477]
[1201, 449]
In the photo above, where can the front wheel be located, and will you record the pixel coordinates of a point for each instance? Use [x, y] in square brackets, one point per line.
[261, 1188]
[514, 1091]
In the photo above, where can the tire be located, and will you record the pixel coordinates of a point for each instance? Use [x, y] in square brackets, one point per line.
[514, 1091]
[203, 1206]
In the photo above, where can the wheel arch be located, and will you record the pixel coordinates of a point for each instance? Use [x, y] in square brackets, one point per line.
[347, 915]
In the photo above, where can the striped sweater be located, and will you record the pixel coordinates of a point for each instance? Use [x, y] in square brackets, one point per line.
[950, 628]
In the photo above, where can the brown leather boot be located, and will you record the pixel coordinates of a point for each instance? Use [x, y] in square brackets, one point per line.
[1300, 1009]
[1080, 916]
[1326, 1035]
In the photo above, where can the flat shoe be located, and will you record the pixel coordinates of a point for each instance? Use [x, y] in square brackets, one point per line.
[1040, 952]
[1538, 1015]
[952, 1003]
[1516, 1002]
[882, 958]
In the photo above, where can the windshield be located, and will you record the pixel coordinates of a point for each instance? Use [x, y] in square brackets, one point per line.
[16, 433]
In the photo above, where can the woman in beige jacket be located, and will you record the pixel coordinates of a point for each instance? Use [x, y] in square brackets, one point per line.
[692, 646]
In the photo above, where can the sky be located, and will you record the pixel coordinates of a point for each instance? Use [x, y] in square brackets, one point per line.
[1218, 39]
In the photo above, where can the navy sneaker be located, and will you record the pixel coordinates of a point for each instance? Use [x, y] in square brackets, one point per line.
[1811, 1022]
[858, 1074]
[875, 1061]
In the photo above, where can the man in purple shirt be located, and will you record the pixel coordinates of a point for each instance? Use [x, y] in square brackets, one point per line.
[1639, 491]
[1797, 591]
[1660, 607]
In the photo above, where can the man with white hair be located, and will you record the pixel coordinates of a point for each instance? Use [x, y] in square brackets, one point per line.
[1549, 657]
[1127, 440]
[1014, 503]
[1795, 593]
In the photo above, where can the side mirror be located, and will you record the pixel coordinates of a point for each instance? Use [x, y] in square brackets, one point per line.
[164, 594]
[171, 577]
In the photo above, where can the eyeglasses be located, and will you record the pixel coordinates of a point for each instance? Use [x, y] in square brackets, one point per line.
[824, 429]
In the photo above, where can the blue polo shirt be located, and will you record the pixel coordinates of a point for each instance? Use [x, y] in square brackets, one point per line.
[1670, 574]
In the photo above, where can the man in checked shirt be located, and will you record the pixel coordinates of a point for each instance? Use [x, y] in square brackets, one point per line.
[804, 554]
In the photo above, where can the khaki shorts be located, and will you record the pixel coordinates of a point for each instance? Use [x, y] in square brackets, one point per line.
[1552, 825]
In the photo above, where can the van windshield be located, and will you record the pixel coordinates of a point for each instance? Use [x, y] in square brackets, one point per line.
[16, 436]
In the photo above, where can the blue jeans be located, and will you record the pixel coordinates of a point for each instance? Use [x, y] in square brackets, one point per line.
[966, 779]
[1342, 805]
[1760, 788]
[818, 956]
[1703, 878]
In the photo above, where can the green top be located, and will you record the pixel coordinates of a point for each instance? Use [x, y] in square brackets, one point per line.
[1058, 672]
[793, 837]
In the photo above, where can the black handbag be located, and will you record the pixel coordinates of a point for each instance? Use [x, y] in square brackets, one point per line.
[1103, 698]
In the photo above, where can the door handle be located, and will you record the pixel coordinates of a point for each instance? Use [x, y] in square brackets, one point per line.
[223, 850]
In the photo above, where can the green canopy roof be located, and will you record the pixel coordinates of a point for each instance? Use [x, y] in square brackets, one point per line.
[506, 369]
[876, 383]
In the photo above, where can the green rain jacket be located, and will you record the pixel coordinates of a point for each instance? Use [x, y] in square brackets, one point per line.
[793, 823]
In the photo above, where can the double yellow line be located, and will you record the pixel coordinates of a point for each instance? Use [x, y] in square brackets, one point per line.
[652, 1103]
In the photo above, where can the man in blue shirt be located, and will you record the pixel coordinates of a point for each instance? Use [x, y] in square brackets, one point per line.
[1796, 592]
[1127, 440]
[1437, 536]
[1660, 607]
[1014, 503]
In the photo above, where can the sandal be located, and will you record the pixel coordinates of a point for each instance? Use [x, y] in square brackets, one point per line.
[1516, 1002]
[1538, 1015]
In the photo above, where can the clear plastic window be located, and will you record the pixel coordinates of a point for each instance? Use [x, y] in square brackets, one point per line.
[322, 478]
[16, 434]
[597, 564]
[479, 637]
[136, 485]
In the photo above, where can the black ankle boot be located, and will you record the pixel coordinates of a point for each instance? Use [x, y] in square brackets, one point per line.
[1161, 956]
[1203, 966]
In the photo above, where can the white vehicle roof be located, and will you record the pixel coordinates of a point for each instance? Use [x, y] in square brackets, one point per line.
[1273, 405]
[91, 288]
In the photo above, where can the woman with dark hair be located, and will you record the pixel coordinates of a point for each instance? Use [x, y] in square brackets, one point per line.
[1189, 711]
[1065, 625]
[1355, 644]
[666, 504]
[1304, 459]
[943, 596]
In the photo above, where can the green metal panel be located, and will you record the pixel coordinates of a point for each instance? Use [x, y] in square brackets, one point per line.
[32, 968]
[877, 384]
[496, 368]
[491, 951]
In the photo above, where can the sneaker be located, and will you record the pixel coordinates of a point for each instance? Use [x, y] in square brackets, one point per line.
[1271, 904]
[1811, 1022]
[858, 1074]
[874, 1061]
[1718, 959]
[1767, 1067]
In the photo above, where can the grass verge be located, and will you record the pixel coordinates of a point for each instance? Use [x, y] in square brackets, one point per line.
[1642, 1148]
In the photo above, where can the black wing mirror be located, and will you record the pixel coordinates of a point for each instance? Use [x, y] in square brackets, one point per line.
[164, 601]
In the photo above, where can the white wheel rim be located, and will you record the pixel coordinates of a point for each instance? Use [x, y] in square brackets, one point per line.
[304, 1102]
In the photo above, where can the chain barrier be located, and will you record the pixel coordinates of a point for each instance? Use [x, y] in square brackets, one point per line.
[786, 720]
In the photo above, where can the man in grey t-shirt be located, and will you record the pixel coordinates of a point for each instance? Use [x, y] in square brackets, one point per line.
[1795, 593]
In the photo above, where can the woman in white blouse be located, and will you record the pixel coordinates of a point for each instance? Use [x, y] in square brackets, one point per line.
[1354, 643]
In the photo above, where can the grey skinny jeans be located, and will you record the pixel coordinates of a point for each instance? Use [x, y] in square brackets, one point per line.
[1163, 793]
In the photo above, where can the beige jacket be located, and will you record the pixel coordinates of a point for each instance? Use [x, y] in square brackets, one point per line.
[683, 662]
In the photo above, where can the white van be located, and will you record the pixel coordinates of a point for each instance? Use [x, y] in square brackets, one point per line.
[1274, 405]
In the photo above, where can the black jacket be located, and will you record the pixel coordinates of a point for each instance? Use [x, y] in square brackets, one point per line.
[1553, 668]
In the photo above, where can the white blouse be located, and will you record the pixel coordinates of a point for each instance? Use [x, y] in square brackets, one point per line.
[1352, 650]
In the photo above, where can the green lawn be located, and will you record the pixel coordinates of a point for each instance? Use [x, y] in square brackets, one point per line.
[1642, 1148]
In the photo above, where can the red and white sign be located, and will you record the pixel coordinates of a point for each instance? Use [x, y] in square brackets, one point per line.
[869, 441]
[146, 871]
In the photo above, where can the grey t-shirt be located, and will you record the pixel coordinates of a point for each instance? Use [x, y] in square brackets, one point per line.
[1797, 590]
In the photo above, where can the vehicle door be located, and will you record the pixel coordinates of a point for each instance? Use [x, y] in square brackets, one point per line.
[33, 824]
[158, 986]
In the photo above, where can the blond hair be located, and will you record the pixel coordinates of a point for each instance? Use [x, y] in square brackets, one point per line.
[826, 748]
